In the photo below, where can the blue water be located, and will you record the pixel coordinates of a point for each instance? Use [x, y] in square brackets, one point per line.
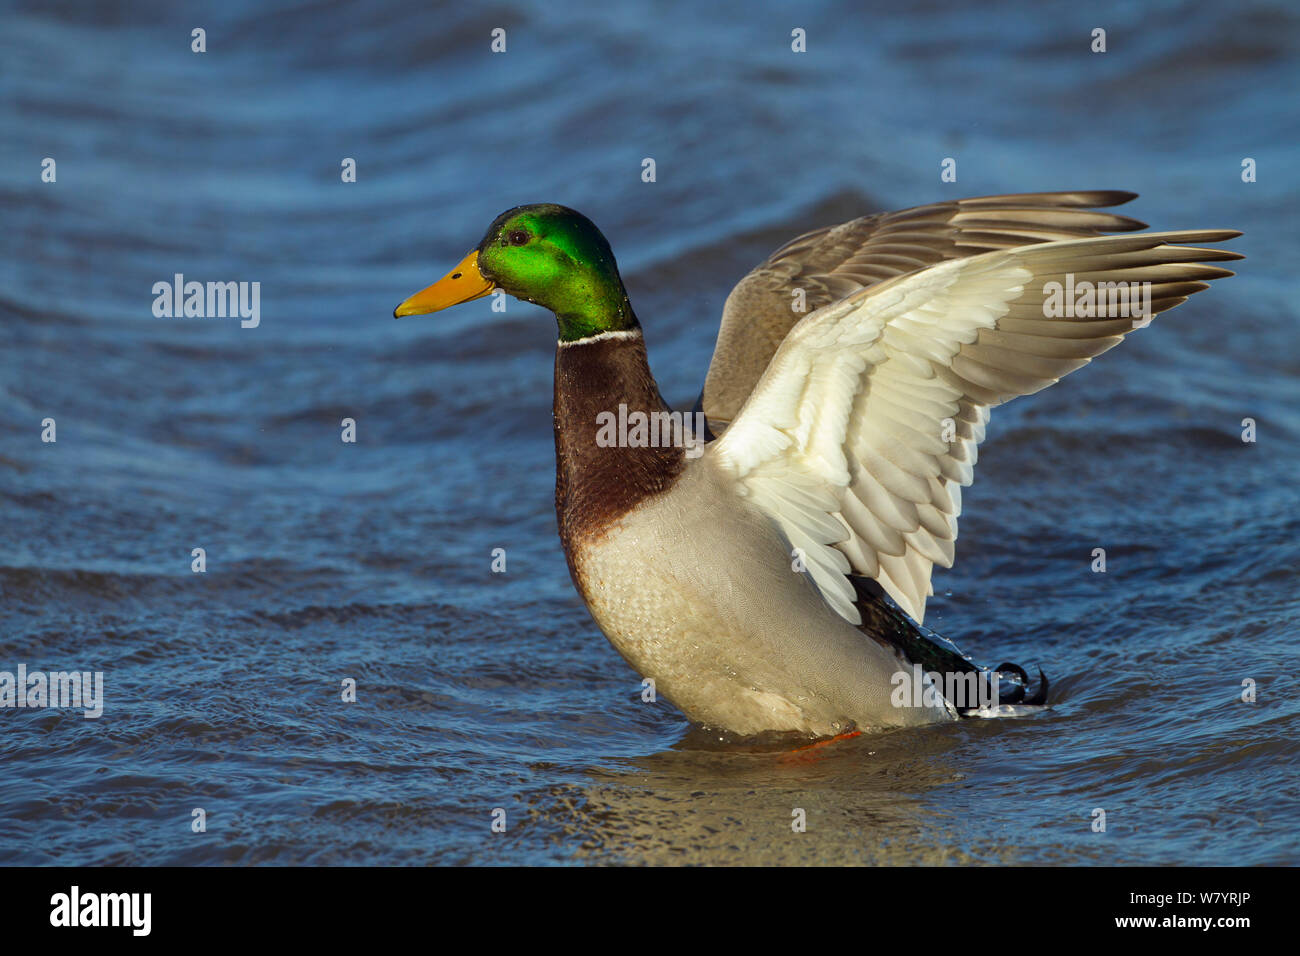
[371, 561]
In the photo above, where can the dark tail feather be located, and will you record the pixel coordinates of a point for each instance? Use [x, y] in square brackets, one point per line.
[884, 622]
[1021, 687]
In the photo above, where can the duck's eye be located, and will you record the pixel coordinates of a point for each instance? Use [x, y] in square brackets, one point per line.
[518, 237]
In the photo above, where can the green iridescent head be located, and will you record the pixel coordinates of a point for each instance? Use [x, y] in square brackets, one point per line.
[546, 254]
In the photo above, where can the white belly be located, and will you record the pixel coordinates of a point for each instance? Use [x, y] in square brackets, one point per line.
[696, 591]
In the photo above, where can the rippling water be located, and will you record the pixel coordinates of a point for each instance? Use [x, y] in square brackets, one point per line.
[371, 560]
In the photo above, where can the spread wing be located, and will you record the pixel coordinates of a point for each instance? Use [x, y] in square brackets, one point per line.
[864, 427]
[831, 263]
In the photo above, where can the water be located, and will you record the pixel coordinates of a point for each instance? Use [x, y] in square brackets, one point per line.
[371, 561]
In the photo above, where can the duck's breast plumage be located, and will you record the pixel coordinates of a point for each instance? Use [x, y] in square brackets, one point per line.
[697, 590]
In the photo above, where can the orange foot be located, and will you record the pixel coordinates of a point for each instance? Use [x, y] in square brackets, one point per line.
[793, 755]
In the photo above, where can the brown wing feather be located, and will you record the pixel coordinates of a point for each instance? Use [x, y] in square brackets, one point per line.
[830, 263]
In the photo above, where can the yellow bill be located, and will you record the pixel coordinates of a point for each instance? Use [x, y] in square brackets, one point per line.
[461, 284]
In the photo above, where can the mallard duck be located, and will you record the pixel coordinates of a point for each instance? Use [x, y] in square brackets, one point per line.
[771, 574]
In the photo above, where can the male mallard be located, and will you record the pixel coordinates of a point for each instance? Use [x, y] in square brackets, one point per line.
[736, 574]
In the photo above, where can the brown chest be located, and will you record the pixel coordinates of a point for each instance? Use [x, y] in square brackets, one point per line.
[606, 463]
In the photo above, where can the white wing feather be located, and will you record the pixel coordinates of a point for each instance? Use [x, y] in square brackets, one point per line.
[863, 429]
